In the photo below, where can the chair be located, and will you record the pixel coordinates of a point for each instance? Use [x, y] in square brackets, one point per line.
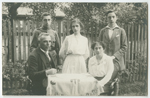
[112, 88]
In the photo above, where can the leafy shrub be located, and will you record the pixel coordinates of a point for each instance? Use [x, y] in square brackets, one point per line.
[136, 81]
[14, 71]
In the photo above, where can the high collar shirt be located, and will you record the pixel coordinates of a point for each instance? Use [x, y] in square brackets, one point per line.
[46, 53]
[110, 31]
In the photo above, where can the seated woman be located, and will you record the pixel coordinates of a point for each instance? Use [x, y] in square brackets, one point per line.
[101, 65]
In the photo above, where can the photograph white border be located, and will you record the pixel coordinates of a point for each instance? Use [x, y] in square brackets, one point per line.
[98, 1]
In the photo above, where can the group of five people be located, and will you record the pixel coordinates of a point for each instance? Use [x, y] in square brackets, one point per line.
[47, 55]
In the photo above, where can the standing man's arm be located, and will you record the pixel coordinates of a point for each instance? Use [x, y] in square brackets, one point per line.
[57, 43]
[34, 42]
[57, 48]
[123, 45]
[100, 36]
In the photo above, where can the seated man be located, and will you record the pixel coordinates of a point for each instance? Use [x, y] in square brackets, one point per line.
[41, 64]
[101, 65]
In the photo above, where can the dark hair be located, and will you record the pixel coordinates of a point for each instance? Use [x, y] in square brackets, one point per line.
[78, 21]
[111, 11]
[98, 43]
[45, 14]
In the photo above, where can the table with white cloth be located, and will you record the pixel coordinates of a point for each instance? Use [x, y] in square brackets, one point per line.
[73, 85]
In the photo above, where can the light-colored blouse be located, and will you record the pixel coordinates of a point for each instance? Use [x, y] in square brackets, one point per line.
[104, 68]
[75, 45]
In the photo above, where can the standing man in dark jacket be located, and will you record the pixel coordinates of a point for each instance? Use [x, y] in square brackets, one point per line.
[115, 40]
[55, 47]
[41, 63]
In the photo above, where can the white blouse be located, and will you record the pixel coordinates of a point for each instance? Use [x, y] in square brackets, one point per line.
[104, 69]
[75, 45]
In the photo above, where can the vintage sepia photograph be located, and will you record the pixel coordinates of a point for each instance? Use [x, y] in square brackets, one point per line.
[75, 48]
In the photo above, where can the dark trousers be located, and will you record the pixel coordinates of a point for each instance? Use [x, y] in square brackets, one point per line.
[39, 91]
[116, 69]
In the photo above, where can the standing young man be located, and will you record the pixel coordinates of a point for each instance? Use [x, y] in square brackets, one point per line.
[55, 47]
[115, 40]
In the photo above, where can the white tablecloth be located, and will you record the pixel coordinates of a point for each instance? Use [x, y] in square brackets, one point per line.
[73, 85]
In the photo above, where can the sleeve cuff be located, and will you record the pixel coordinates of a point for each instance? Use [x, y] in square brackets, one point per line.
[46, 73]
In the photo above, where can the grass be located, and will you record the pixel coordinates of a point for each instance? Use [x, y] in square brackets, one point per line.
[125, 89]
[133, 89]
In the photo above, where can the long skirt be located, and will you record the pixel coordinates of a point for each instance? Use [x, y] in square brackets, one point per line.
[74, 64]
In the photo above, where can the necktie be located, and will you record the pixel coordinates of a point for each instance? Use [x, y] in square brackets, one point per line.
[48, 56]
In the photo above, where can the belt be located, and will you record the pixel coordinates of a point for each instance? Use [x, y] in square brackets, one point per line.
[99, 78]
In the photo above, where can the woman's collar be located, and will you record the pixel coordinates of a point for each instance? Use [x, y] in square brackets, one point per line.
[103, 57]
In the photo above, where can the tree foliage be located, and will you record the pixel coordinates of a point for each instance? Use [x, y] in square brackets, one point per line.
[94, 13]
[12, 9]
[127, 12]
[38, 8]
[91, 14]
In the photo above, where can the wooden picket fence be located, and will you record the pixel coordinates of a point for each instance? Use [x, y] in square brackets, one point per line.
[137, 35]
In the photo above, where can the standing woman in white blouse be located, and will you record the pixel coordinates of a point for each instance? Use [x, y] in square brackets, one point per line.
[101, 65]
[74, 50]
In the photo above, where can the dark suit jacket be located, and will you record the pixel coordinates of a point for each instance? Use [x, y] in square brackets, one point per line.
[38, 63]
[55, 42]
[117, 45]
